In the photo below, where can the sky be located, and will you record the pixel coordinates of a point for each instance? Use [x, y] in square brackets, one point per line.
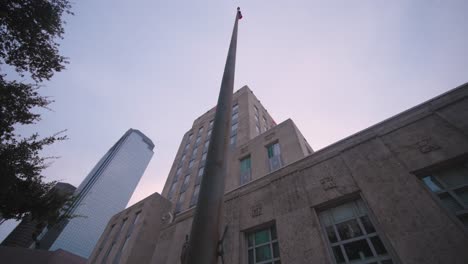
[334, 67]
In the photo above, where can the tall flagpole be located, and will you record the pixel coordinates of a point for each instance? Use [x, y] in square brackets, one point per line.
[205, 234]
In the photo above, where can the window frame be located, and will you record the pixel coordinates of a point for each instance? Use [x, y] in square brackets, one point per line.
[353, 198]
[252, 231]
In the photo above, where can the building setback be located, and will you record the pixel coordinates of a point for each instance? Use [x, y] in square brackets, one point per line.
[393, 193]
[104, 192]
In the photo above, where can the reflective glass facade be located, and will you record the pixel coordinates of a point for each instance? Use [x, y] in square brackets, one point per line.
[105, 191]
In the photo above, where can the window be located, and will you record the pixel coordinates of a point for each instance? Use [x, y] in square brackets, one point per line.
[200, 130]
[177, 174]
[190, 165]
[185, 184]
[234, 128]
[104, 241]
[194, 199]
[180, 202]
[205, 147]
[235, 116]
[451, 187]
[194, 153]
[211, 124]
[199, 175]
[262, 246]
[233, 140]
[209, 133]
[189, 138]
[351, 235]
[235, 108]
[197, 141]
[203, 157]
[129, 232]
[274, 156]
[182, 159]
[171, 190]
[256, 110]
[245, 170]
[257, 129]
[264, 128]
[186, 147]
[122, 227]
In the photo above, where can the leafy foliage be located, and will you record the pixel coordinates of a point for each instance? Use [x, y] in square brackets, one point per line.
[28, 33]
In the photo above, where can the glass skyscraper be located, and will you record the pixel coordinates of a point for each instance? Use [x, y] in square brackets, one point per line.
[104, 192]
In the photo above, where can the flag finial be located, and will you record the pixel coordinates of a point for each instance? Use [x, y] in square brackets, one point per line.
[239, 14]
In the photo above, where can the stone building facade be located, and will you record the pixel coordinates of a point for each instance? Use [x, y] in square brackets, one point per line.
[396, 192]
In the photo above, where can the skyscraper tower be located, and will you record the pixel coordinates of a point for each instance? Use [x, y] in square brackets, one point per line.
[104, 192]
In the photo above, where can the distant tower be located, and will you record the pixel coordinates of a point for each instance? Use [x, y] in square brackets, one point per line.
[104, 192]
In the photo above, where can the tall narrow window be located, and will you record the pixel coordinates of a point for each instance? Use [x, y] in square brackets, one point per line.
[233, 140]
[450, 185]
[129, 233]
[234, 128]
[203, 157]
[171, 190]
[235, 108]
[199, 175]
[194, 153]
[245, 170]
[191, 164]
[257, 129]
[194, 199]
[208, 136]
[200, 131]
[351, 235]
[186, 182]
[177, 174]
[262, 247]
[197, 141]
[122, 227]
[180, 202]
[182, 159]
[205, 147]
[235, 117]
[211, 124]
[274, 156]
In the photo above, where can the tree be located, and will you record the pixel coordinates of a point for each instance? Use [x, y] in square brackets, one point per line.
[29, 30]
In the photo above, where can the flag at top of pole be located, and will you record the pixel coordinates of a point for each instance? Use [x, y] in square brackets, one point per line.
[239, 14]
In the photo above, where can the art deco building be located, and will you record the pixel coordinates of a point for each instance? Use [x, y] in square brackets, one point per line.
[395, 192]
[104, 192]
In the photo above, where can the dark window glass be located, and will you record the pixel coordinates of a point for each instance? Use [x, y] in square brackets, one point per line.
[378, 245]
[263, 253]
[367, 224]
[338, 254]
[275, 250]
[358, 250]
[349, 229]
[262, 237]
[331, 234]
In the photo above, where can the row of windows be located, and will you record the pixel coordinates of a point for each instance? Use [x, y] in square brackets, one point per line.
[258, 130]
[123, 246]
[274, 162]
[350, 234]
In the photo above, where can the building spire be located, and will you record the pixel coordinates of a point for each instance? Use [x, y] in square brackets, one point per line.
[204, 238]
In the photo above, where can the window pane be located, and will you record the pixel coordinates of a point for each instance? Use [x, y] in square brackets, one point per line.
[343, 212]
[454, 177]
[462, 193]
[251, 257]
[449, 202]
[349, 229]
[275, 250]
[331, 234]
[367, 224]
[464, 219]
[273, 232]
[378, 245]
[338, 254]
[262, 237]
[251, 240]
[263, 253]
[432, 183]
[358, 250]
